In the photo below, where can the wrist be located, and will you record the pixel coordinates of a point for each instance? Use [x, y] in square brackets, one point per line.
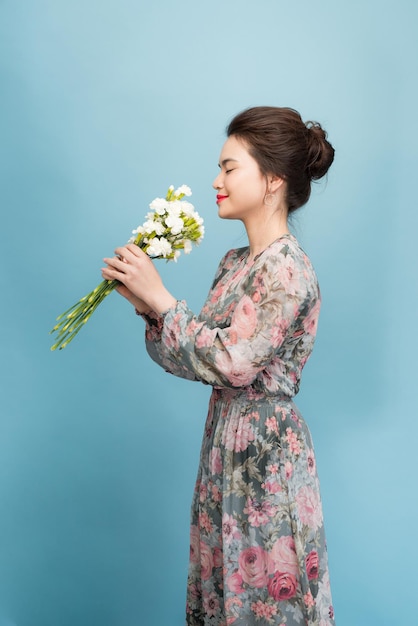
[142, 310]
[163, 302]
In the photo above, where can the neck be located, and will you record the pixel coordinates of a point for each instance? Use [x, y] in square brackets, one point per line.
[260, 236]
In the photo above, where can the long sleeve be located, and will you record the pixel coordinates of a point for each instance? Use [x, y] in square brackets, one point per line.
[273, 306]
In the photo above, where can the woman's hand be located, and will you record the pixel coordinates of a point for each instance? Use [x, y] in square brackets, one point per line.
[140, 305]
[136, 272]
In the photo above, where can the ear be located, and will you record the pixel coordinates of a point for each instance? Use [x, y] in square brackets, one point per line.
[274, 183]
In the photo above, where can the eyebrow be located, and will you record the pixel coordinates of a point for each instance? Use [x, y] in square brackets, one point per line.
[225, 161]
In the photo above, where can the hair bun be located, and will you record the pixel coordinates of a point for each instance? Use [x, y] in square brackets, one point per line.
[320, 151]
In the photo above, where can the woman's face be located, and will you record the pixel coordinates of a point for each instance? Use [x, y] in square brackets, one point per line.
[240, 185]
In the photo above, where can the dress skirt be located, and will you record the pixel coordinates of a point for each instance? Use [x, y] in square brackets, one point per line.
[257, 550]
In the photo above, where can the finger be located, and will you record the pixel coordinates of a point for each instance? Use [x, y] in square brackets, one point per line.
[130, 252]
[117, 263]
[136, 250]
[108, 274]
[120, 253]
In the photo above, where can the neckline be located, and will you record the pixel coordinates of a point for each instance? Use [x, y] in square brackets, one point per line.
[284, 236]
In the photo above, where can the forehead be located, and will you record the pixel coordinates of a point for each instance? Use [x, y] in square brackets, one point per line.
[234, 149]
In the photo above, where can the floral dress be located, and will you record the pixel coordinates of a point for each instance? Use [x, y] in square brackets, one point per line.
[257, 550]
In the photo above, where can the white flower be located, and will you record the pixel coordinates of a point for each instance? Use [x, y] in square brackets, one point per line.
[159, 205]
[176, 224]
[184, 189]
[170, 222]
[175, 208]
[187, 246]
[158, 227]
[159, 247]
[187, 208]
[182, 227]
[148, 227]
[202, 234]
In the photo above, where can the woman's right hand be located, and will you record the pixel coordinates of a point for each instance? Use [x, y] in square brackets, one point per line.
[136, 271]
[139, 304]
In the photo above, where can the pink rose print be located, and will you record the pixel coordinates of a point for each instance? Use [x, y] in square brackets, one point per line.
[273, 468]
[244, 318]
[309, 507]
[195, 590]
[282, 557]
[256, 297]
[289, 276]
[174, 332]
[194, 544]
[192, 328]
[310, 323]
[229, 529]
[292, 440]
[244, 435]
[210, 603]
[203, 492]
[215, 461]
[234, 583]
[282, 586]
[272, 486]
[312, 564]
[216, 493]
[235, 367]
[253, 566]
[263, 609]
[206, 561]
[258, 512]
[153, 329]
[232, 338]
[205, 522]
[279, 332]
[233, 605]
[238, 435]
[308, 599]
[217, 294]
[288, 468]
[311, 462]
[204, 338]
[271, 425]
[258, 283]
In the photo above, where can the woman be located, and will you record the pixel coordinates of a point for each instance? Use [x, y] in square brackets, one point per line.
[258, 553]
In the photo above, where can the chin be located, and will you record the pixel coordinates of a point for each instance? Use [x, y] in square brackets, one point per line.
[224, 214]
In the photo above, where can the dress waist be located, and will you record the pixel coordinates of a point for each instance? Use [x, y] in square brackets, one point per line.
[248, 394]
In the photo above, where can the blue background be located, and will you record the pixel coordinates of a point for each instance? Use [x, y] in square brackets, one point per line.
[104, 103]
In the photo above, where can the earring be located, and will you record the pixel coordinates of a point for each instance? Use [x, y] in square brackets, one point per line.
[269, 199]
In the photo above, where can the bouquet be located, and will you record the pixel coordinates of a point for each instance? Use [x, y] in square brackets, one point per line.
[172, 225]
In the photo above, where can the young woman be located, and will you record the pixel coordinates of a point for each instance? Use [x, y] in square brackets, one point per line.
[258, 553]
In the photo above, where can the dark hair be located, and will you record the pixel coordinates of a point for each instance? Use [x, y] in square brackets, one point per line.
[285, 146]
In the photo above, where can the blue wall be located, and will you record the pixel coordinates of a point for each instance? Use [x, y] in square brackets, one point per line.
[103, 104]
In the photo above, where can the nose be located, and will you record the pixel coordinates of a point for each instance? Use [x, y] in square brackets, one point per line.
[217, 183]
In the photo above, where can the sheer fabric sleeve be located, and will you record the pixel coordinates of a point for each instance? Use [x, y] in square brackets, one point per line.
[157, 348]
[279, 293]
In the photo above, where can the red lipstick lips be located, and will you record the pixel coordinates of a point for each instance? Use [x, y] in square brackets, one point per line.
[219, 198]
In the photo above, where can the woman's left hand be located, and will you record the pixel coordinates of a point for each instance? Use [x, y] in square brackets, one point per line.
[134, 269]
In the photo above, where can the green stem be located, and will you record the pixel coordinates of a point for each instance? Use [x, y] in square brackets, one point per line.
[76, 316]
